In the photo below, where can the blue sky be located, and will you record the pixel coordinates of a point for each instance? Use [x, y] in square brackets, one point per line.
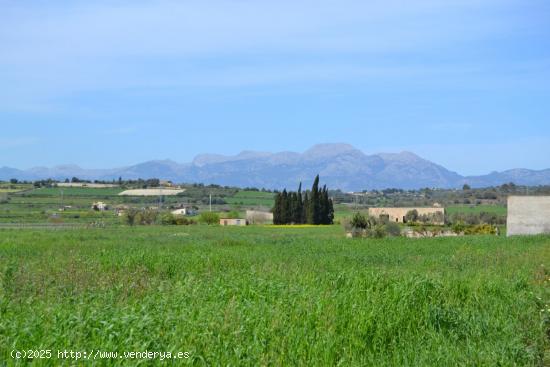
[110, 83]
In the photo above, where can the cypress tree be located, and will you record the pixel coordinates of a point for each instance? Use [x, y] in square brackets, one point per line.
[311, 207]
[330, 211]
[292, 205]
[285, 208]
[305, 209]
[277, 209]
[314, 209]
[328, 208]
[323, 206]
[297, 215]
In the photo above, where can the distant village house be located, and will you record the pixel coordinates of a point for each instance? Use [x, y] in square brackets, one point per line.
[233, 222]
[185, 211]
[100, 206]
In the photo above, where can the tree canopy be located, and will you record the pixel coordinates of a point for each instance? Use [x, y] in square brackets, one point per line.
[311, 207]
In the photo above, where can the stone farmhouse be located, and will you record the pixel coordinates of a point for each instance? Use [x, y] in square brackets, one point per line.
[397, 215]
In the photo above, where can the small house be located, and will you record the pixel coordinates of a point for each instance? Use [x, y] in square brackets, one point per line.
[100, 206]
[184, 211]
[233, 222]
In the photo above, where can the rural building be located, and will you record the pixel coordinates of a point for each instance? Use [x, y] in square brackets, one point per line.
[100, 206]
[233, 222]
[528, 215]
[259, 217]
[185, 211]
[397, 215]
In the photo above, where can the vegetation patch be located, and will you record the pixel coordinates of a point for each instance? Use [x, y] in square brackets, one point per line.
[264, 296]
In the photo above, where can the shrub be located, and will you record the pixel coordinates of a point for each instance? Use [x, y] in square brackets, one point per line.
[363, 226]
[233, 214]
[359, 221]
[182, 221]
[458, 227]
[209, 218]
[481, 229]
[179, 220]
[379, 231]
[140, 217]
[411, 216]
[168, 219]
[129, 217]
[146, 217]
[393, 229]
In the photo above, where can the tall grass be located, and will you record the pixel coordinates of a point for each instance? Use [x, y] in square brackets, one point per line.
[266, 296]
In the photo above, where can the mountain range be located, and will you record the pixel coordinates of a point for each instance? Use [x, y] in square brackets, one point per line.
[339, 165]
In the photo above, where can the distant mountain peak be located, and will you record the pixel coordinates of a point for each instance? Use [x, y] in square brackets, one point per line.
[340, 166]
[67, 167]
[329, 149]
[402, 156]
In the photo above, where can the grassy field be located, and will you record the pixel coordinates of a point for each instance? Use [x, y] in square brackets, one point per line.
[476, 209]
[75, 191]
[270, 296]
[11, 188]
[6, 190]
[254, 198]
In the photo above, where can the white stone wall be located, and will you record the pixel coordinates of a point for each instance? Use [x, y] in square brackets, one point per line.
[528, 215]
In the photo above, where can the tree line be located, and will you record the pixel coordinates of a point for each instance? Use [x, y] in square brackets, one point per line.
[310, 207]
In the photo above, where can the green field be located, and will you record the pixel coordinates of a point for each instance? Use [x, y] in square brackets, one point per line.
[476, 209]
[75, 191]
[254, 198]
[266, 296]
[2, 190]
[11, 188]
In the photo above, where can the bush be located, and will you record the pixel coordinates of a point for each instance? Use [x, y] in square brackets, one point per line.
[209, 218]
[140, 217]
[379, 231]
[393, 229]
[168, 219]
[147, 217]
[359, 221]
[362, 226]
[481, 229]
[178, 220]
[182, 221]
[233, 214]
[129, 217]
[411, 216]
[459, 227]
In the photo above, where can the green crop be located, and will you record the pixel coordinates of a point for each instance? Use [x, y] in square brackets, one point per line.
[271, 296]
